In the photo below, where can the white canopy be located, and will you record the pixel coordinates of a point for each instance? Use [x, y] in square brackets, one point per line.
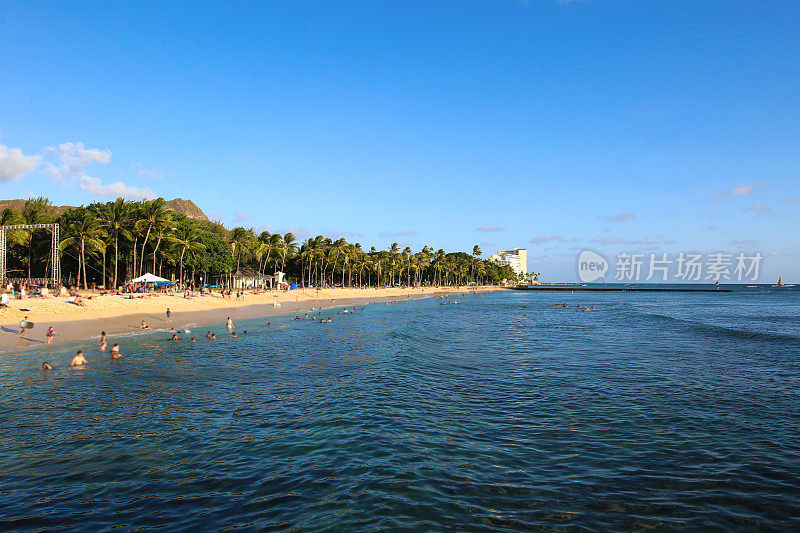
[150, 278]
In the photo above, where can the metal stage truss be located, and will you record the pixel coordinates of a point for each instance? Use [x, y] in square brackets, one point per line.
[55, 277]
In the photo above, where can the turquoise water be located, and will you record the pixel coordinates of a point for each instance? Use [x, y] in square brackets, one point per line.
[653, 411]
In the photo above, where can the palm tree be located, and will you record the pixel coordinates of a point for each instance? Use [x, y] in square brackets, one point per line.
[406, 260]
[188, 238]
[154, 213]
[160, 232]
[476, 252]
[394, 250]
[36, 211]
[84, 233]
[117, 222]
[242, 243]
[439, 260]
[11, 217]
[289, 246]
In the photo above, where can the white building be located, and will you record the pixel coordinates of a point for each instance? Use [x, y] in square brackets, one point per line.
[517, 259]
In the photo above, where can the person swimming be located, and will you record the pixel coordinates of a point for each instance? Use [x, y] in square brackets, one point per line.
[208, 334]
[175, 337]
[115, 351]
[172, 330]
[192, 340]
[78, 360]
[269, 324]
[244, 332]
[45, 366]
[213, 335]
[233, 334]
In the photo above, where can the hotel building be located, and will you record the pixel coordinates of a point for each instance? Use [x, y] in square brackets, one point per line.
[517, 259]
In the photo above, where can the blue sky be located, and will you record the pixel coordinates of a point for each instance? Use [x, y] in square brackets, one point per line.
[616, 126]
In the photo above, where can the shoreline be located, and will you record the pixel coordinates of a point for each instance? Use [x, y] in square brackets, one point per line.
[117, 316]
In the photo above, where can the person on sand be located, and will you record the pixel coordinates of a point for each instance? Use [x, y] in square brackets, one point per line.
[169, 315]
[22, 330]
[102, 341]
[115, 351]
[78, 360]
[50, 333]
[45, 366]
[229, 324]
[144, 325]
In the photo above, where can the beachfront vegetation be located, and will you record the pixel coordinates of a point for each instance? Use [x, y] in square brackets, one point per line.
[106, 244]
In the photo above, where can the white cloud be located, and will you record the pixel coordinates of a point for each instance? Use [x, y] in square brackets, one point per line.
[622, 217]
[645, 241]
[241, 216]
[792, 200]
[73, 158]
[151, 174]
[14, 164]
[405, 233]
[758, 209]
[114, 190]
[490, 229]
[299, 233]
[542, 239]
[747, 244]
[743, 189]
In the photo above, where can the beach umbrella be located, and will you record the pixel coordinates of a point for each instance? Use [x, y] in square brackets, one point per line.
[150, 278]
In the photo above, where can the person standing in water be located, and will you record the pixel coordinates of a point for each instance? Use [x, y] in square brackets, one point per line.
[50, 333]
[115, 351]
[229, 324]
[102, 341]
[78, 360]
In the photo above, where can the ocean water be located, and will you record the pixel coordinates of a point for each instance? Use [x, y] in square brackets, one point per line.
[501, 413]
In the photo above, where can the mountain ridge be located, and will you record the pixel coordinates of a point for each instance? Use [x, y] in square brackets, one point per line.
[179, 205]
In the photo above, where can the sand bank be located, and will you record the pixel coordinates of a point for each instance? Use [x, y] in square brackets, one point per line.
[120, 315]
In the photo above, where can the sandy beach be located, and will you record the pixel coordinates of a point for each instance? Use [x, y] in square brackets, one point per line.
[117, 314]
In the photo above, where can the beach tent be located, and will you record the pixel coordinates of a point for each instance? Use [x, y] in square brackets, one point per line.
[150, 278]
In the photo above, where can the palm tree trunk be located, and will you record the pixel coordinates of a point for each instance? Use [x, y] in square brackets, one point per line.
[146, 237]
[135, 242]
[180, 275]
[116, 256]
[83, 260]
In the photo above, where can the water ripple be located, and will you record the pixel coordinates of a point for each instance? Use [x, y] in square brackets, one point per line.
[643, 414]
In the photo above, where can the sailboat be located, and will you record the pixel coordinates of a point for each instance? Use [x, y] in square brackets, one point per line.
[780, 283]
